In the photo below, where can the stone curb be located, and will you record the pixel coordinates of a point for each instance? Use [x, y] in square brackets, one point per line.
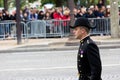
[48, 48]
[67, 44]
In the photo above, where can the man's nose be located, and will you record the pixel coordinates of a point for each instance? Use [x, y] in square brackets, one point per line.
[73, 31]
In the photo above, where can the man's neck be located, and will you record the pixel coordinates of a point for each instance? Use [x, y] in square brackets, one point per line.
[84, 37]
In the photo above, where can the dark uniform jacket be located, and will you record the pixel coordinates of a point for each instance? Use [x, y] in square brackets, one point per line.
[88, 60]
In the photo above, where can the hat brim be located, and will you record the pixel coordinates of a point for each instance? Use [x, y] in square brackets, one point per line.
[72, 27]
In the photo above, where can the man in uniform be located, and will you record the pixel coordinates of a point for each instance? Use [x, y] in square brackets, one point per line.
[88, 58]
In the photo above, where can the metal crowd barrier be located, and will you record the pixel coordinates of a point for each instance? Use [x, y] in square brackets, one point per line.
[102, 26]
[57, 28]
[60, 28]
[36, 29]
[50, 28]
[47, 28]
[8, 29]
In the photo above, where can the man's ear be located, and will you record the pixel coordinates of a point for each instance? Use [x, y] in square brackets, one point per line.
[82, 30]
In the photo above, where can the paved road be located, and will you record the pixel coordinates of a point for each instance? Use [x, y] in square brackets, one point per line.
[53, 65]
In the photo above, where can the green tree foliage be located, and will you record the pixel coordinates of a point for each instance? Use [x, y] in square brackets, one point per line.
[56, 2]
[31, 1]
[22, 2]
[1, 3]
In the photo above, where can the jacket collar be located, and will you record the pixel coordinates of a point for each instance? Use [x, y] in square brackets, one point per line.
[84, 39]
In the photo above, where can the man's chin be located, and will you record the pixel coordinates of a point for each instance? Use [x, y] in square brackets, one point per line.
[76, 37]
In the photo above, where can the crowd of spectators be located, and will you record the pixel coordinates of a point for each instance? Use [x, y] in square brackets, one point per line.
[94, 11]
[59, 13]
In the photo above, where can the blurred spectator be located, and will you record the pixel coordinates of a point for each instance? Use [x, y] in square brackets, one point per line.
[96, 10]
[90, 14]
[13, 15]
[66, 15]
[78, 13]
[45, 9]
[1, 28]
[1, 16]
[56, 14]
[107, 14]
[100, 4]
[48, 23]
[41, 15]
[83, 12]
[6, 16]
[61, 11]
[33, 15]
[100, 13]
[47, 16]
[21, 15]
[92, 7]
[25, 17]
[75, 12]
[26, 10]
[52, 12]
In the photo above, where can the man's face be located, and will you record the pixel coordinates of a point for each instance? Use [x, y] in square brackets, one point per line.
[78, 32]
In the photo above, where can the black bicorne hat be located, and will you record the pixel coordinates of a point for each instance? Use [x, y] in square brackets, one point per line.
[83, 22]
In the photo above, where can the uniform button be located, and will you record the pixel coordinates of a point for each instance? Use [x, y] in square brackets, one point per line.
[80, 76]
[80, 66]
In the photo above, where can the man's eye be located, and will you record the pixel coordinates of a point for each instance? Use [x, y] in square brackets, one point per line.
[76, 29]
